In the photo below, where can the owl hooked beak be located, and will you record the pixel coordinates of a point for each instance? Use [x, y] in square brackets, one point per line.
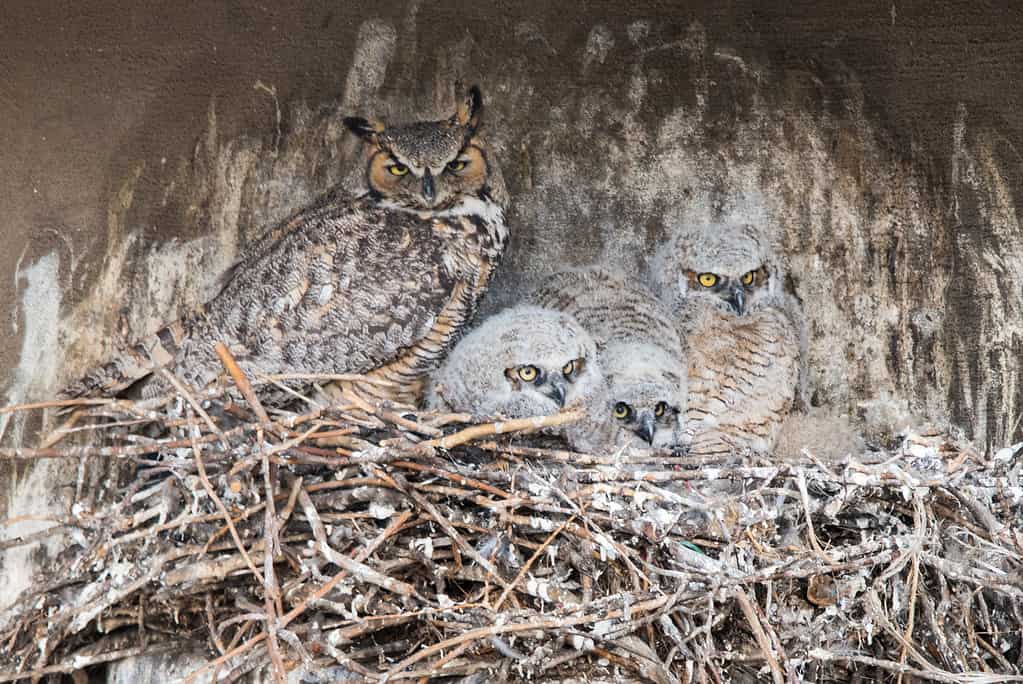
[646, 427]
[555, 389]
[429, 191]
[737, 298]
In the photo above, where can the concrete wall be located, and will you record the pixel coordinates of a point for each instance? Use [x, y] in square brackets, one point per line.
[876, 141]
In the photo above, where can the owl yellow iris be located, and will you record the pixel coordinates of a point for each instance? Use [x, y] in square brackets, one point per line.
[707, 279]
[528, 373]
[621, 410]
[660, 409]
[747, 279]
[568, 368]
[397, 169]
[457, 165]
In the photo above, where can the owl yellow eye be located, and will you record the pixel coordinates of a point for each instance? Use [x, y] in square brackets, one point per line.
[397, 169]
[747, 279]
[568, 369]
[622, 410]
[660, 409]
[457, 165]
[707, 279]
[528, 373]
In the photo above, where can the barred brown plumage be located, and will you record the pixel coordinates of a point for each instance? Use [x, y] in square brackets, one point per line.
[639, 348]
[741, 335]
[380, 284]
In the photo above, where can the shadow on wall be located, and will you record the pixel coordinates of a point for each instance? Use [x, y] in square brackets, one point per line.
[907, 279]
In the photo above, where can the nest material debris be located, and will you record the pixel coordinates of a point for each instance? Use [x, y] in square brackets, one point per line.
[354, 542]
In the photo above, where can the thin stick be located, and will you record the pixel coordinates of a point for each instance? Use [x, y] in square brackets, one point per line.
[56, 404]
[80, 662]
[758, 632]
[201, 467]
[241, 381]
[539, 624]
[359, 570]
[536, 554]
[271, 589]
[503, 427]
[932, 675]
[454, 477]
[24, 454]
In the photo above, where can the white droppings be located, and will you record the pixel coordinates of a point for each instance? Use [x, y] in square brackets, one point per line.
[423, 546]
[581, 643]
[598, 45]
[381, 511]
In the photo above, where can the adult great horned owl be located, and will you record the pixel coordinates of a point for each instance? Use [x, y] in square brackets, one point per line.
[639, 348]
[525, 361]
[380, 284]
[742, 338]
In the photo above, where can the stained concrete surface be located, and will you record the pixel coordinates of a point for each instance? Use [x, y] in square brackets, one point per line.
[876, 142]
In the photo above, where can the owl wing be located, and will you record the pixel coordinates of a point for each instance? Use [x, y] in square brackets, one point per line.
[342, 287]
[610, 307]
[742, 380]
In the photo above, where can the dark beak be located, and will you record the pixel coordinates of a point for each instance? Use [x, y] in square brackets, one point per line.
[429, 192]
[556, 390]
[737, 299]
[646, 427]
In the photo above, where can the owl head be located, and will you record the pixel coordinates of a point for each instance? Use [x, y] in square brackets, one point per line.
[646, 393]
[428, 165]
[732, 265]
[525, 361]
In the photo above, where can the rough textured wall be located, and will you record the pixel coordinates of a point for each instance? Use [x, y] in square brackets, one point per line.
[142, 158]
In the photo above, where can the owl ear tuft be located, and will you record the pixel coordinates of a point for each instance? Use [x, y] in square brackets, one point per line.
[470, 110]
[365, 129]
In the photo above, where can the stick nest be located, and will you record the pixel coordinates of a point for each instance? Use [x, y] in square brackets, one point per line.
[362, 542]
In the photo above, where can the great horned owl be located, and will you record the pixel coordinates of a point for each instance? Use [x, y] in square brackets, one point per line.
[525, 361]
[639, 348]
[381, 284]
[741, 333]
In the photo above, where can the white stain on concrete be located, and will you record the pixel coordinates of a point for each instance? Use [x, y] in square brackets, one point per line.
[34, 377]
[40, 310]
[373, 52]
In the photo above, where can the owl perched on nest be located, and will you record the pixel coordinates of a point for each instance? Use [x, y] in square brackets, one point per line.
[380, 284]
[639, 348]
[741, 332]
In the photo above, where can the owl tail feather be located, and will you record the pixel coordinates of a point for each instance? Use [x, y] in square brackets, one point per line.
[130, 366]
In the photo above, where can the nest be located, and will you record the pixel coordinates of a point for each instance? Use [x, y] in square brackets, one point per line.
[359, 542]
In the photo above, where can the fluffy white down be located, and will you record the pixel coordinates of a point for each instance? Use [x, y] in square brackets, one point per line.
[473, 378]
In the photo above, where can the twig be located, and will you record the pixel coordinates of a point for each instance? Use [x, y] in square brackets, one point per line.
[931, 675]
[500, 428]
[355, 568]
[529, 563]
[80, 662]
[758, 632]
[201, 468]
[241, 381]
